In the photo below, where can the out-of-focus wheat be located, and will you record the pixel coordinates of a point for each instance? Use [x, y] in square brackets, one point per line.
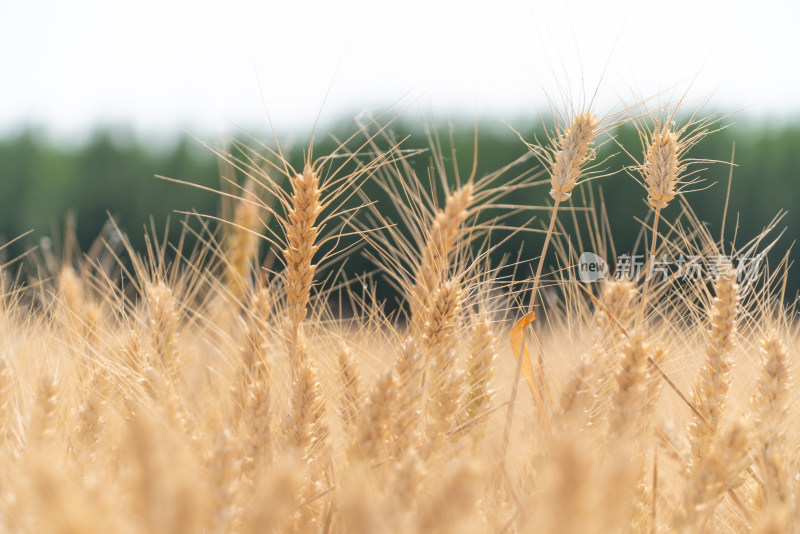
[145, 401]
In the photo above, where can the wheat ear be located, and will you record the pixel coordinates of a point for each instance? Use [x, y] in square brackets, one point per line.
[480, 367]
[256, 335]
[406, 418]
[711, 389]
[446, 382]
[717, 471]
[661, 172]
[163, 392]
[770, 406]
[71, 293]
[373, 432]
[6, 381]
[242, 241]
[305, 428]
[257, 415]
[224, 470]
[631, 378]
[46, 404]
[578, 393]
[443, 315]
[573, 152]
[618, 295]
[163, 311]
[444, 403]
[92, 414]
[442, 238]
[661, 168]
[350, 380]
[301, 237]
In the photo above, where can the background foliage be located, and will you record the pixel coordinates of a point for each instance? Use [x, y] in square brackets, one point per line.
[113, 173]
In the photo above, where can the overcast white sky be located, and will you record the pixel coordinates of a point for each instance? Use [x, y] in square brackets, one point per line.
[164, 64]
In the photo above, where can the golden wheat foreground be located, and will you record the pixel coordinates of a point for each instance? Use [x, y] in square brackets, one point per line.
[223, 388]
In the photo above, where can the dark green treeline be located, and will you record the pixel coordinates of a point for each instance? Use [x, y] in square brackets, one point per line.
[40, 182]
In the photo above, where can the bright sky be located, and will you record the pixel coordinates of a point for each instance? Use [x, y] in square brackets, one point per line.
[165, 64]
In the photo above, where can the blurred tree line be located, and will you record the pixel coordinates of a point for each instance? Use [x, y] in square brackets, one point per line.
[40, 182]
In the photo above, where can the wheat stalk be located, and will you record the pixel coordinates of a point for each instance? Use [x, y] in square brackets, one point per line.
[663, 170]
[571, 151]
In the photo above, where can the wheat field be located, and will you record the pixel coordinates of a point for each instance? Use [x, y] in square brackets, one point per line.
[243, 384]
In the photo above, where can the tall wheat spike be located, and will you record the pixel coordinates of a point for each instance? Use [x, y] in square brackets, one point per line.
[441, 240]
[770, 405]
[305, 428]
[566, 160]
[480, 366]
[721, 468]
[711, 388]
[350, 379]
[301, 236]
[243, 239]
